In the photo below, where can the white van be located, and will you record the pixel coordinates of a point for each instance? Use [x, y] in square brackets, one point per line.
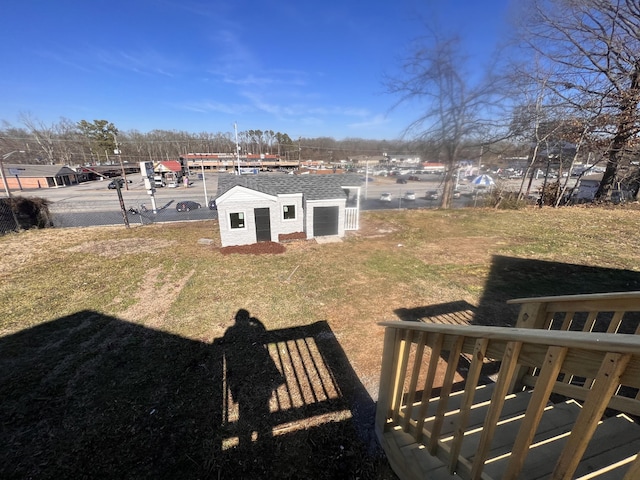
[158, 181]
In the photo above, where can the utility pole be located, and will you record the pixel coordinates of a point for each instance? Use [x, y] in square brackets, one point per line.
[117, 152]
[204, 183]
[366, 180]
[123, 209]
[235, 127]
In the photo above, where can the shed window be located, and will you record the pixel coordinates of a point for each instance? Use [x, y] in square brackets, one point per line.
[289, 212]
[236, 220]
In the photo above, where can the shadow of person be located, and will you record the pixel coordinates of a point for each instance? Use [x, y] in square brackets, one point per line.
[252, 376]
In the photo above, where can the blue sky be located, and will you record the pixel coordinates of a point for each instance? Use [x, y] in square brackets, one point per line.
[306, 68]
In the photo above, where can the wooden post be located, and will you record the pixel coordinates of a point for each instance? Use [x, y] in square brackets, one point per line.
[386, 381]
[507, 370]
[411, 394]
[449, 376]
[605, 385]
[471, 384]
[539, 398]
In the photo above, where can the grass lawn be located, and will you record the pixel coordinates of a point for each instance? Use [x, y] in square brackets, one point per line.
[118, 357]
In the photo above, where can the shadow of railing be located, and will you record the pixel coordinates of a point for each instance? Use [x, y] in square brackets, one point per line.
[90, 395]
[454, 313]
[303, 382]
[512, 277]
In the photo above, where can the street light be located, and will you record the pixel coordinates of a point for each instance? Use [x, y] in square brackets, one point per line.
[4, 179]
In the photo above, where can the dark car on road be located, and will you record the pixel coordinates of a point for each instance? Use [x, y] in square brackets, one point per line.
[187, 206]
[432, 195]
[114, 184]
[401, 180]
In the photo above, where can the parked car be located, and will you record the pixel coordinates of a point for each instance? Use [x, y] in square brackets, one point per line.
[212, 204]
[187, 206]
[432, 195]
[112, 184]
[409, 195]
[401, 180]
[456, 194]
[385, 197]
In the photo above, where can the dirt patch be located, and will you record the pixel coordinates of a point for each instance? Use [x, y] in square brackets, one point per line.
[154, 298]
[255, 248]
[283, 237]
[114, 248]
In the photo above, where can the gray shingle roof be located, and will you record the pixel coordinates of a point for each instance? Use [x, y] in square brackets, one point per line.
[314, 187]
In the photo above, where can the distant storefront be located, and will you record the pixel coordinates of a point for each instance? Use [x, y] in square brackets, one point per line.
[26, 177]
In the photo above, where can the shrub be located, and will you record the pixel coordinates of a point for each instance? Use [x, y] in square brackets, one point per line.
[27, 212]
[504, 200]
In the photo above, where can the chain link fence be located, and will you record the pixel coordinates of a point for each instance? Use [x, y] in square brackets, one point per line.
[72, 213]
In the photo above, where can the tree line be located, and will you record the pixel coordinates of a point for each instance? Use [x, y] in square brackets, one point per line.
[100, 141]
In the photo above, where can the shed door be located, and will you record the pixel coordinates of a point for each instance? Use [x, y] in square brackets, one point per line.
[325, 221]
[263, 224]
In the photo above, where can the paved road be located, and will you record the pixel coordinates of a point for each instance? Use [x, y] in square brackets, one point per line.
[92, 203]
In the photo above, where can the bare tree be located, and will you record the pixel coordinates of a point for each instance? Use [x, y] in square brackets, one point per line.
[13, 138]
[592, 50]
[70, 142]
[44, 135]
[456, 103]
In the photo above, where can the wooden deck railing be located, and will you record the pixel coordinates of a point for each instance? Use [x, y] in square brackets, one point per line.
[605, 312]
[444, 412]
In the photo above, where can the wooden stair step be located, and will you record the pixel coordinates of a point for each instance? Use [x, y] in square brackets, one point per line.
[556, 420]
[615, 439]
[514, 405]
[430, 467]
[411, 459]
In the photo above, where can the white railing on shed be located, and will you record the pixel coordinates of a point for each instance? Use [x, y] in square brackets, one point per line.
[351, 218]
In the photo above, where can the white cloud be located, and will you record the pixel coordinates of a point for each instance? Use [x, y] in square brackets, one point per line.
[143, 62]
[374, 121]
[207, 106]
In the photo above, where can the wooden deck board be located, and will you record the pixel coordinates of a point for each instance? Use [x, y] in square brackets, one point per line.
[614, 440]
[413, 459]
[514, 406]
[482, 395]
[554, 421]
[426, 463]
